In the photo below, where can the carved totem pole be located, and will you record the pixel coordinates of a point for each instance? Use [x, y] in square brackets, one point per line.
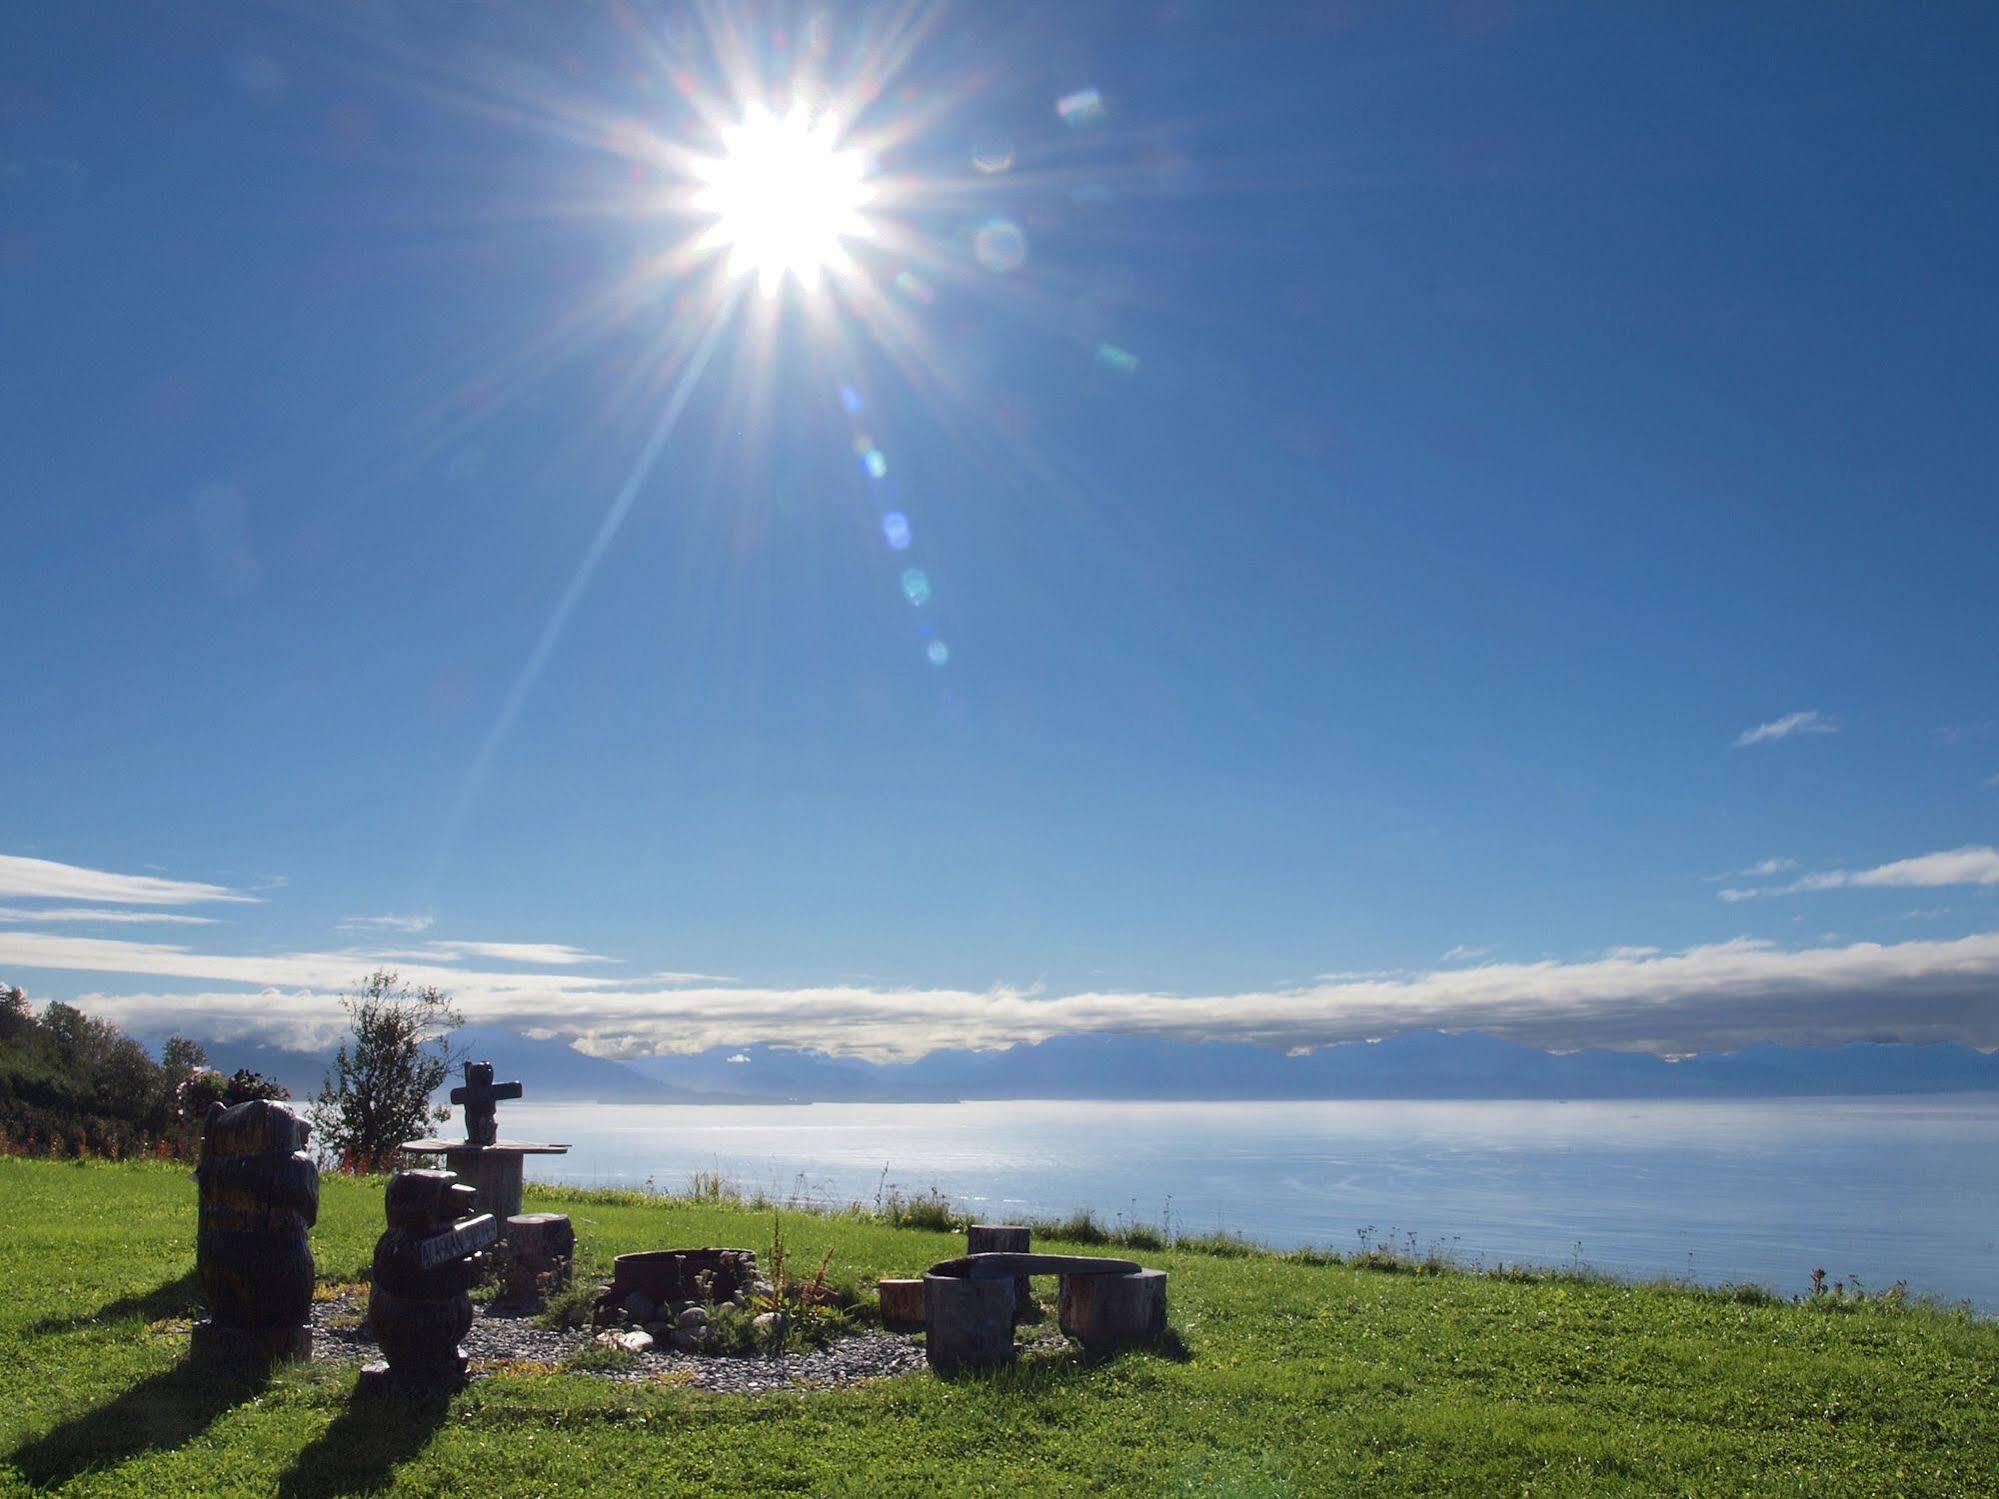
[425, 1264]
[259, 1194]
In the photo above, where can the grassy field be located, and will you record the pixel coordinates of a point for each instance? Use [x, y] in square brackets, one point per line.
[1298, 1378]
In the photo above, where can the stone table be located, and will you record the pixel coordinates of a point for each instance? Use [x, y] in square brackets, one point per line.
[482, 1160]
[493, 1171]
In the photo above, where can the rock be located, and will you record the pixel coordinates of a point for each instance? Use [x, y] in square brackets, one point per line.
[640, 1308]
[694, 1317]
[635, 1342]
[684, 1341]
[660, 1331]
[607, 1339]
[741, 1298]
[760, 1288]
[771, 1325]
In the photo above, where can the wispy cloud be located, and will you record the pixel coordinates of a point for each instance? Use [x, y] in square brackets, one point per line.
[1762, 869]
[304, 970]
[556, 954]
[44, 879]
[105, 913]
[1715, 997]
[386, 923]
[1767, 867]
[1974, 864]
[1953, 734]
[1630, 954]
[1810, 721]
[1464, 953]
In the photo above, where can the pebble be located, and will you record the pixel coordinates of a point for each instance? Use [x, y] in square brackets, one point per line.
[504, 1335]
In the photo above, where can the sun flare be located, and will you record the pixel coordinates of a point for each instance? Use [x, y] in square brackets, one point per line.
[784, 196]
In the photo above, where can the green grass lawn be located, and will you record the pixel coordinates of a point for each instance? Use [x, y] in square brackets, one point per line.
[1299, 1379]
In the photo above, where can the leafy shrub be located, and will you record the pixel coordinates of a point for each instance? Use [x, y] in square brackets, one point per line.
[929, 1210]
[567, 1308]
[732, 1330]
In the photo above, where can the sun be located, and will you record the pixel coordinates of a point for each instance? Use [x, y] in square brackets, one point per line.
[784, 196]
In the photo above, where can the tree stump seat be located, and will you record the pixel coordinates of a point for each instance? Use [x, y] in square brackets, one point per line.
[969, 1302]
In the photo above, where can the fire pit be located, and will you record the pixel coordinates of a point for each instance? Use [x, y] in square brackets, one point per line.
[662, 1276]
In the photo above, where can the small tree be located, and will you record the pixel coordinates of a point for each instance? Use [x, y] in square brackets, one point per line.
[377, 1093]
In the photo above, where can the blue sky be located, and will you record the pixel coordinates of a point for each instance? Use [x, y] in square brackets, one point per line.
[1372, 477]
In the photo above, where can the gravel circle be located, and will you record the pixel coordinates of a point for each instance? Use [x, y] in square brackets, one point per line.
[504, 1335]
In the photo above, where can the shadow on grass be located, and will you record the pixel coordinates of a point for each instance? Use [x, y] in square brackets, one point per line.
[360, 1452]
[1169, 1345]
[1048, 1362]
[179, 1297]
[161, 1411]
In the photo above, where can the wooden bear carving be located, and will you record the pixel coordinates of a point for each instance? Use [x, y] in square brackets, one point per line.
[259, 1194]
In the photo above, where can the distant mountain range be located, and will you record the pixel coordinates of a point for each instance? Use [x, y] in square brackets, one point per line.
[1415, 1064]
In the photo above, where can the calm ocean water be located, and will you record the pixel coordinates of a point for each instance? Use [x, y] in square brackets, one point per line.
[1878, 1189]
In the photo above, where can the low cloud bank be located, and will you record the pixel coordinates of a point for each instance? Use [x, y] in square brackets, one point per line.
[1713, 998]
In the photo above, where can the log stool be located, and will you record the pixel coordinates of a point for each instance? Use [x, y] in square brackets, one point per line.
[968, 1305]
[542, 1247]
[967, 1324]
[1005, 1238]
[1106, 1312]
[901, 1302]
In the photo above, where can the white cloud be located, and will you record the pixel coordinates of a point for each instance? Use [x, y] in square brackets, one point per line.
[1716, 997]
[104, 913]
[386, 923]
[44, 879]
[1809, 722]
[1974, 864]
[1762, 869]
[1970, 865]
[557, 954]
[739, 1058]
[1630, 954]
[308, 970]
[1767, 867]
[1463, 953]
[671, 977]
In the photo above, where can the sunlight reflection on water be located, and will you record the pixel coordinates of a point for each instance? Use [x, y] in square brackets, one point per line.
[1884, 1189]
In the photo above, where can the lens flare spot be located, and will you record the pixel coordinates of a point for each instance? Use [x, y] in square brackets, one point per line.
[895, 530]
[876, 463]
[915, 287]
[1110, 356]
[1084, 107]
[992, 153]
[1000, 245]
[851, 399]
[938, 652]
[916, 586]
